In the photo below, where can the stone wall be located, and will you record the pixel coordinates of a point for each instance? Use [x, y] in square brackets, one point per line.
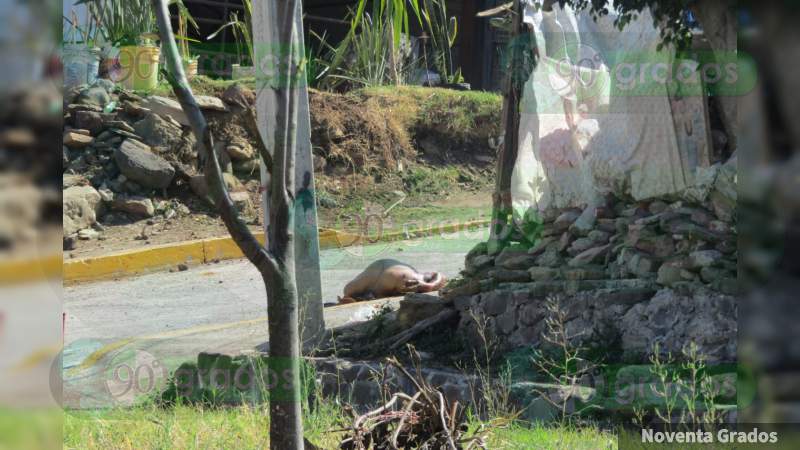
[619, 315]
[643, 273]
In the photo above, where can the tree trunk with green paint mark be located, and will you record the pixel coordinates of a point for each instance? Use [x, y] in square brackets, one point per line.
[276, 262]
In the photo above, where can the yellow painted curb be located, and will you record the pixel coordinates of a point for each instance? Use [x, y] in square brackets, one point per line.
[224, 248]
[17, 271]
[139, 261]
[131, 262]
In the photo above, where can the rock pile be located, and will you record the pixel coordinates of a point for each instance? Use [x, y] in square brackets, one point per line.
[121, 151]
[645, 273]
[29, 126]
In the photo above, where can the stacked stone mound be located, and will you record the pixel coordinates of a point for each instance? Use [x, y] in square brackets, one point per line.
[121, 152]
[644, 273]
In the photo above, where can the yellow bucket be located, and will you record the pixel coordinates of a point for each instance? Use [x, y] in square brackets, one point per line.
[190, 68]
[139, 67]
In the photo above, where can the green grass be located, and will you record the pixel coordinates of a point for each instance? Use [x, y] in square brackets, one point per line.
[246, 427]
[30, 428]
[410, 219]
[424, 180]
[185, 427]
[479, 101]
[458, 117]
[439, 214]
[521, 437]
[461, 116]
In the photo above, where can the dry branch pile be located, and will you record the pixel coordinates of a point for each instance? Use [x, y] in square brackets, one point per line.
[422, 421]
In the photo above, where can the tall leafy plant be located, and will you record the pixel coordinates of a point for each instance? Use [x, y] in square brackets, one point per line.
[129, 22]
[370, 52]
[124, 22]
[242, 30]
[368, 58]
[442, 33]
[318, 65]
[80, 33]
[185, 20]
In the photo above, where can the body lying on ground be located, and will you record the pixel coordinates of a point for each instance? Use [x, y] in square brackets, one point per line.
[387, 278]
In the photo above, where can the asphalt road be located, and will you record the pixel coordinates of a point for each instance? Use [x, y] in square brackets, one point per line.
[162, 319]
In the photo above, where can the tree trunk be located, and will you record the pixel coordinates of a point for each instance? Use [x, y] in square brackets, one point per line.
[517, 73]
[285, 403]
[306, 241]
[286, 416]
[286, 427]
[275, 263]
[718, 19]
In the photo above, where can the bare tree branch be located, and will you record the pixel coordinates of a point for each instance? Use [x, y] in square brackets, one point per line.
[276, 262]
[239, 231]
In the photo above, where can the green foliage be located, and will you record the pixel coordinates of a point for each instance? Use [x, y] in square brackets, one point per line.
[379, 322]
[190, 426]
[242, 31]
[491, 391]
[424, 180]
[370, 54]
[479, 249]
[531, 226]
[31, 428]
[519, 436]
[562, 362]
[128, 22]
[226, 380]
[317, 67]
[185, 20]
[469, 114]
[519, 363]
[78, 33]
[460, 121]
[369, 58]
[686, 392]
[442, 30]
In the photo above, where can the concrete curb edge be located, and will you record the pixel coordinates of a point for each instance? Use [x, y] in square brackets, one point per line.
[202, 251]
